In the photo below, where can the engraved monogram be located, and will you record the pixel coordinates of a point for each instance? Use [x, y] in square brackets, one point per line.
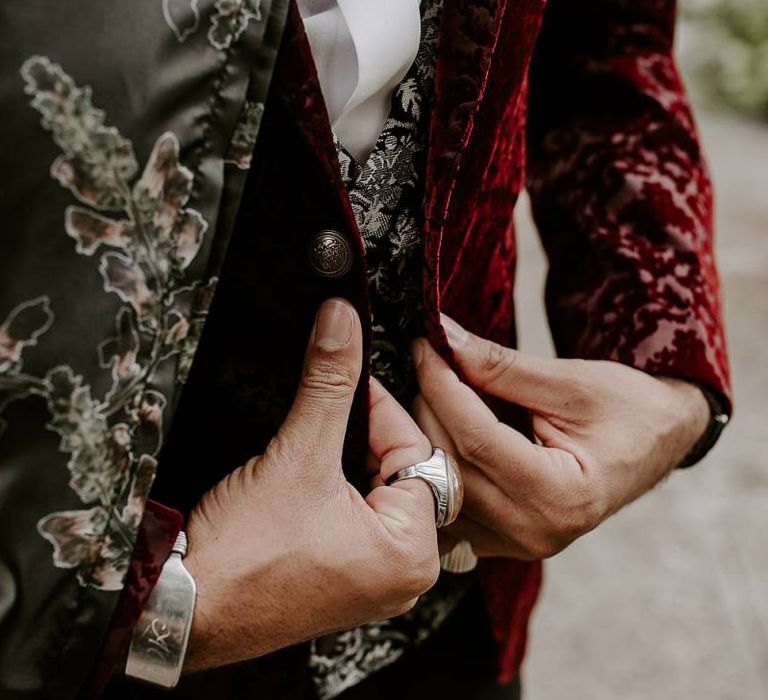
[155, 635]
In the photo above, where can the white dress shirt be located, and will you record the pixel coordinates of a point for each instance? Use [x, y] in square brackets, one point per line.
[362, 50]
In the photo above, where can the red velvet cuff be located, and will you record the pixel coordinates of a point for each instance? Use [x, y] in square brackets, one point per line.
[157, 533]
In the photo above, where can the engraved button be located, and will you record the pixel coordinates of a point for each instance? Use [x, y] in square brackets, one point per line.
[330, 255]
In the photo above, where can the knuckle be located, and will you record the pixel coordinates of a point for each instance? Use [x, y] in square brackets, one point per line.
[573, 528]
[545, 547]
[396, 609]
[417, 581]
[423, 573]
[410, 444]
[497, 360]
[585, 509]
[331, 379]
[415, 570]
[577, 521]
[551, 547]
[585, 518]
[474, 444]
[393, 590]
[431, 572]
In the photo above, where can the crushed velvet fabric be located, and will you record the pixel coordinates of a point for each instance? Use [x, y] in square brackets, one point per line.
[622, 196]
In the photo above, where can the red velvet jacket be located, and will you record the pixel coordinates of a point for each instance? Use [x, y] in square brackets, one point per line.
[582, 103]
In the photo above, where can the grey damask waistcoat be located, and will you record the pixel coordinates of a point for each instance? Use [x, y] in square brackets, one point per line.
[386, 192]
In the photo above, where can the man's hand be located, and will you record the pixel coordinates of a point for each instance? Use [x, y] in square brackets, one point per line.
[284, 549]
[608, 433]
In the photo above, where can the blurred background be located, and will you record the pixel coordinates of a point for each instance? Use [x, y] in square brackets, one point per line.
[669, 599]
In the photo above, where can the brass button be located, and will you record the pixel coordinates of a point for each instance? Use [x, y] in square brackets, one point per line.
[330, 255]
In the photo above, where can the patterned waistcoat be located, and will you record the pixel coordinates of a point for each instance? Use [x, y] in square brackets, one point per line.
[386, 192]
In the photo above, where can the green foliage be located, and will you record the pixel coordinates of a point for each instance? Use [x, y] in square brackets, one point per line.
[730, 51]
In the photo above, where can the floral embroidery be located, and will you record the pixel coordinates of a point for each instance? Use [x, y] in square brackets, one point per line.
[229, 20]
[244, 139]
[340, 661]
[191, 307]
[152, 238]
[24, 325]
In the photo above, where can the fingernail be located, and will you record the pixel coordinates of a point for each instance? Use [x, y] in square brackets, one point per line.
[333, 328]
[457, 336]
[417, 352]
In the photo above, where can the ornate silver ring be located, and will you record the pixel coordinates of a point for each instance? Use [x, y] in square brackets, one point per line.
[442, 474]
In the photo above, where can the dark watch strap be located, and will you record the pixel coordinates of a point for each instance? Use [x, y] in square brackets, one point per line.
[719, 418]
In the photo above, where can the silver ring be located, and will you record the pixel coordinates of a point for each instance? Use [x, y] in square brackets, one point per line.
[442, 474]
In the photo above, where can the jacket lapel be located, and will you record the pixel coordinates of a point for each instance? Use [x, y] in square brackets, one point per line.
[297, 86]
[468, 37]
[469, 32]
[494, 134]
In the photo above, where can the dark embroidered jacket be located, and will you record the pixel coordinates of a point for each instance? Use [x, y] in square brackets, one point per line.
[117, 223]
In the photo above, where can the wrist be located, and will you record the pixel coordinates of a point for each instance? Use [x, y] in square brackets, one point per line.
[222, 629]
[208, 646]
[242, 609]
[695, 411]
[716, 417]
[705, 415]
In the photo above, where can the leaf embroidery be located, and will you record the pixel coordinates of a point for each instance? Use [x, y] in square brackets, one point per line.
[24, 325]
[97, 161]
[147, 237]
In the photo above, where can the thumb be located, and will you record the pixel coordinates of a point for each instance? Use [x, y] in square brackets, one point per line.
[527, 380]
[317, 421]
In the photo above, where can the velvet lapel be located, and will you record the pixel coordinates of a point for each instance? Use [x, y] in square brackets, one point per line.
[468, 37]
[469, 33]
[491, 162]
[298, 88]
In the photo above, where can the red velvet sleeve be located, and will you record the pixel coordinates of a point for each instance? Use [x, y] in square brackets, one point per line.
[157, 534]
[621, 193]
